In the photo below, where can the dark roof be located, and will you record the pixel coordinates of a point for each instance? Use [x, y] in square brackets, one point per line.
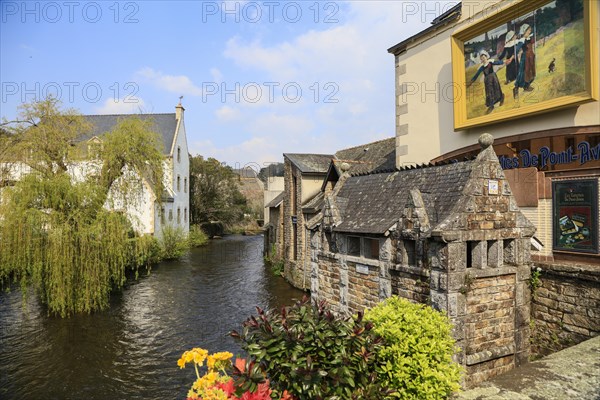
[373, 203]
[310, 163]
[315, 204]
[373, 156]
[164, 124]
[442, 20]
[276, 201]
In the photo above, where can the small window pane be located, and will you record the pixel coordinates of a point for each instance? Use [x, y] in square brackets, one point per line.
[354, 246]
[371, 249]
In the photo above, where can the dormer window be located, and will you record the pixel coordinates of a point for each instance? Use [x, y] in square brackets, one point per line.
[178, 154]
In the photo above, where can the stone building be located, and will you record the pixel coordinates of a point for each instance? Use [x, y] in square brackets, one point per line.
[303, 178]
[448, 235]
[307, 178]
[548, 147]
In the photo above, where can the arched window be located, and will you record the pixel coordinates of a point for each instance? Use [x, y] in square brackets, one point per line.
[178, 215]
[178, 154]
[185, 185]
[185, 215]
[178, 183]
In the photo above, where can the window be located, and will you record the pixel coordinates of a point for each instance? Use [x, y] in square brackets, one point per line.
[170, 215]
[409, 252]
[470, 247]
[162, 215]
[185, 185]
[178, 183]
[353, 246]
[179, 215]
[178, 154]
[185, 215]
[371, 248]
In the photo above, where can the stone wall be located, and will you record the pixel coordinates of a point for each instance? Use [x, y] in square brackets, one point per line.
[489, 327]
[294, 265]
[565, 308]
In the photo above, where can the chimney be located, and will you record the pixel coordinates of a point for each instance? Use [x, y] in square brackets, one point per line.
[179, 111]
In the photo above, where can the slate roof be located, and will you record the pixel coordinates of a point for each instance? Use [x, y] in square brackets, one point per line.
[373, 156]
[315, 204]
[164, 124]
[373, 203]
[310, 163]
[276, 201]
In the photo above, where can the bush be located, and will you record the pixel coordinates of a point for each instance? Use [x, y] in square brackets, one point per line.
[312, 354]
[173, 243]
[416, 357]
[197, 237]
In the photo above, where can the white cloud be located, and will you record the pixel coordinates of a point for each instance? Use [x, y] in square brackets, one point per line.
[129, 105]
[179, 84]
[227, 113]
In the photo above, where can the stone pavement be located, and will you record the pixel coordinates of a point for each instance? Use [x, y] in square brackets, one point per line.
[570, 374]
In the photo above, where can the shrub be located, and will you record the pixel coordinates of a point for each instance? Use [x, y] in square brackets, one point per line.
[416, 357]
[197, 237]
[173, 243]
[312, 354]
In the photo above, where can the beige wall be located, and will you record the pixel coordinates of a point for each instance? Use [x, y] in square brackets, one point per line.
[311, 185]
[424, 98]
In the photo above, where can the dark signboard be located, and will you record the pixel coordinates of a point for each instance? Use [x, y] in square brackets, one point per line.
[576, 215]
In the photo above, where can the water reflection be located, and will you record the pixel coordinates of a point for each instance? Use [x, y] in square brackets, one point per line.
[130, 351]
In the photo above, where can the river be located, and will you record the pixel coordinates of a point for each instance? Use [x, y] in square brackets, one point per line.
[130, 351]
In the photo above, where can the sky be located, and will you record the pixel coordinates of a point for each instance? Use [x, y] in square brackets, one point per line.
[258, 79]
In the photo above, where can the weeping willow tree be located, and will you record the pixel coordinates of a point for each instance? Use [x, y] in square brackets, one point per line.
[57, 230]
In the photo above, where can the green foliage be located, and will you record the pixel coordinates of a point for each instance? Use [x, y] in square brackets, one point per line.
[173, 242]
[274, 261]
[312, 354]
[416, 358]
[535, 280]
[55, 232]
[197, 237]
[214, 194]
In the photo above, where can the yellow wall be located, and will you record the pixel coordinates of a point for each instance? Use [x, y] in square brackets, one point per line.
[424, 97]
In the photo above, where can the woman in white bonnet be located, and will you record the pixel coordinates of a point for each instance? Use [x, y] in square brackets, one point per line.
[509, 54]
[493, 91]
[525, 60]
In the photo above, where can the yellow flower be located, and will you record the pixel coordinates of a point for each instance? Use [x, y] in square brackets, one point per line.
[219, 360]
[206, 381]
[192, 395]
[214, 394]
[197, 355]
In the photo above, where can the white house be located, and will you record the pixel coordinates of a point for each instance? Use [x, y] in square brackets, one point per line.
[147, 211]
[146, 214]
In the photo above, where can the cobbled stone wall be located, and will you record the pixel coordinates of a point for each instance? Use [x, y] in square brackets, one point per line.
[565, 308]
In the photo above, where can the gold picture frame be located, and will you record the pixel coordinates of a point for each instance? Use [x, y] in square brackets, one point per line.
[531, 57]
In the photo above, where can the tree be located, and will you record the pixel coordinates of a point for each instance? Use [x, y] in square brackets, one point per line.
[214, 195]
[56, 229]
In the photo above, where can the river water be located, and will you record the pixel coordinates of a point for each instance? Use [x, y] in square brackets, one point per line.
[130, 351]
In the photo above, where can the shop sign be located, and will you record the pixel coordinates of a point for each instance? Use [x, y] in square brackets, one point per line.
[575, 219]
[584, 153]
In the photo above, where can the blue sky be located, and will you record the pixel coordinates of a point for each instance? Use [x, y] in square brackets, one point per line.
[258, 78]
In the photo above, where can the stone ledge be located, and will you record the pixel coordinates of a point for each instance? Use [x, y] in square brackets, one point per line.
[409, 269]
[488, 355]
[589, 272]
[489, 272]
